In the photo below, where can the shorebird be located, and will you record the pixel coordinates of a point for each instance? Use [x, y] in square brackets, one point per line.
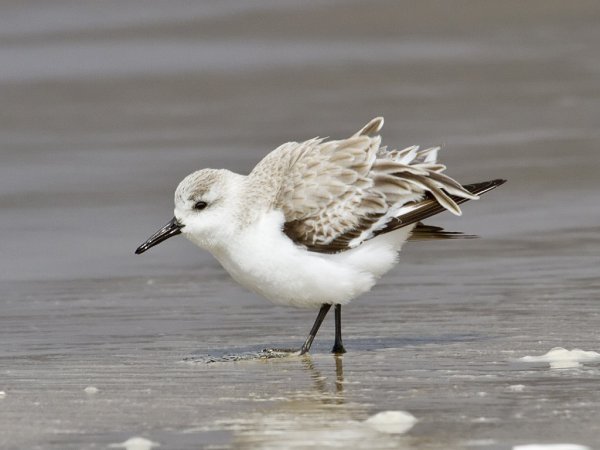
[317, 223]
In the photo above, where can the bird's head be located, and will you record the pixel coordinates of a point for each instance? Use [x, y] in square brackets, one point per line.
[204, 202]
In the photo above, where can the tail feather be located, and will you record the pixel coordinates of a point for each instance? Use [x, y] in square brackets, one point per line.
[424, 232]
[429, 206]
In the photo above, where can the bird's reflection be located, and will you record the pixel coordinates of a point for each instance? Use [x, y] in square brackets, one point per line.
[326, 394]
[317, 417]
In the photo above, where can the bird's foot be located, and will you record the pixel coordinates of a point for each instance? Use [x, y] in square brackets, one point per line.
[338, 349]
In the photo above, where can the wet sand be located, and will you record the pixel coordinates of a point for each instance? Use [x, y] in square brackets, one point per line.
[106, 109]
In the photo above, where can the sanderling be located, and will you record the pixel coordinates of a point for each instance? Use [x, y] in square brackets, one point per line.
[317, 223]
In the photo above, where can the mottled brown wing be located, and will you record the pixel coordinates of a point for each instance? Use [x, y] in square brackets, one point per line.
[336, 194]
[416, 212]
[327, 195]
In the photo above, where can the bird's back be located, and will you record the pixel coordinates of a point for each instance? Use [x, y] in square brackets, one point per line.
[337, 194]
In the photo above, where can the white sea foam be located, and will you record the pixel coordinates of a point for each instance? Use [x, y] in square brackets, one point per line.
[2, 394]
[480, 442]
[551, 447]
[91, 390]
[560, 358]
[392, 422]
[516, 387]
[136, 443]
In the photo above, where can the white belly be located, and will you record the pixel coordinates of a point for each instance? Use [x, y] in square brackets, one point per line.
[264, 260]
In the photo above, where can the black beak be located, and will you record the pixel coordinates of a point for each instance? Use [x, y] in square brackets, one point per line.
[173, 228]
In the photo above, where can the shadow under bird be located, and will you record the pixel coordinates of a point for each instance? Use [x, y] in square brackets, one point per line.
[317, 223]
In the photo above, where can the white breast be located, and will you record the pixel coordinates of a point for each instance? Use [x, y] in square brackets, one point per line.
[264, 260]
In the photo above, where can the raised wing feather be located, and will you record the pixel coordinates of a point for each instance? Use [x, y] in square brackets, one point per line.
[416, 212]
[337, 194]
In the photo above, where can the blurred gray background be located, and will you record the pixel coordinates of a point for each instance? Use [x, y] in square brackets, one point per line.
[106, 105]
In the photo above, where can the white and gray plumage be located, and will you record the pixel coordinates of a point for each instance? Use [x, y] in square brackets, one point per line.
[316, 223]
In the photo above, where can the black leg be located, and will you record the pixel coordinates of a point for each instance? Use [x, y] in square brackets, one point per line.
[313, 332]
[338, 346]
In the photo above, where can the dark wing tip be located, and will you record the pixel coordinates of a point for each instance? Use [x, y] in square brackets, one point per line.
[485, 186]
[430, 207]
[498, 181]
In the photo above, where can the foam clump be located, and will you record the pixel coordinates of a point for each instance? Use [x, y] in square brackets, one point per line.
[551, 447]
[516, 387]
[392, 422]
[91, 390]
[561, 358]
[136, 443]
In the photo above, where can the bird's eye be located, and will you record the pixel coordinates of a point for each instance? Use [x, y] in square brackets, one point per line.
[200, 205]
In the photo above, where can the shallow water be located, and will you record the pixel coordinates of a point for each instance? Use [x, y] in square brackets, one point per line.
[107, 108]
